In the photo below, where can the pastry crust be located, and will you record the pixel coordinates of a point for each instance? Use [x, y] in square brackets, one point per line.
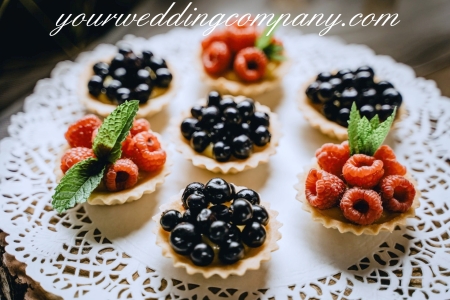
[333, 217]
[253, 256]
[147, 183]
[159, 98]
[249, 89]
[311, 112]
[260, 155]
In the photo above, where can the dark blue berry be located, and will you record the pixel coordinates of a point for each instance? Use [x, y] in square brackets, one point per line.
[253, 235]
[241, 211]
[260, 215]
[163, 77]
[170, 219]
[184, 237]
[246, 108]
[249, 195]
[200, 140]
[261, 136]
[95, 85]
[142, 92]
[188, 127]
[202, 255]
[242, 147]
[232, 252]
[367, 111]
[221, 151]
[214, 98]
[218, 191]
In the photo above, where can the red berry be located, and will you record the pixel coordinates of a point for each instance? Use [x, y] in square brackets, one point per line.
[139, 125]
[216, 58]
[361, 206]
[147, 152]
[332, 157]
[390, 164]
[127, 147]
[121, 175]
[242, 36]
[74, 156]
[79, 134]
[363, 171]
[397, 193]
[250, 64]
[323, 190]
[216, 36]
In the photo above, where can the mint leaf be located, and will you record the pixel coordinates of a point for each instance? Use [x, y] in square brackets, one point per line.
[274, 52]
[375, 122]
[353, 130]
[265, 39]
[364, 134]
[78, 183]
[380, 133]
[108, 142]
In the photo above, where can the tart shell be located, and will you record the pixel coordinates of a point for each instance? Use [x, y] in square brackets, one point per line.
[333, 217]
[253, 256]
[93, 104]
[332, 129]
[233, 166]
[147, 183]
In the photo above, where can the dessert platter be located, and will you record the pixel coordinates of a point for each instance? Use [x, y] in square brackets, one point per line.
[371, 220]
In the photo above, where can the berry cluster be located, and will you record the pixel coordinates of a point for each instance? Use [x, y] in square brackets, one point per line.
[235, 46]
[216, 221]
[129, 76]
[230, 128]
[336, 93]
[361, 185]
[141, 150]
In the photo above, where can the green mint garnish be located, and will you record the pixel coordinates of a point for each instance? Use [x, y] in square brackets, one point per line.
[264, 43]
[80, 180]
[364, 136]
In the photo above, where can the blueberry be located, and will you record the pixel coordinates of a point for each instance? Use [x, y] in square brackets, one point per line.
[218, 191]
[392, 97]
[385, 111]
[254, 235]
[343, 72]
[222, 212]
[261, 136]
[249, 195]
[202, 254]
[330, 110]
[120, 74]
[368, 96]
[157, 63]
[101, 69]
[142, 92]
[200, 140]
[260, 118]
[311, 92]
[204, 219]
[231, 252]
[146, 55]
[132, 62]
[188, 127]
[241, 211]
[189, 190]
[242, 147]
[363, 80]
[348, 96]
[214, 98]
[246, 108]
[196, 111]
[221, 151]
[143, 76]
[383, 85]
[348, 80]
[324, 76]
[123, 94]
[170, 219]
[219, 132]
[343, 117]
[243, 128]
[260, 214]
[196, 202]
[232, 116]
[163, 77]
[111, 89]
[210, 116]
[183, 238]
[337, 84]
[125, 50]
[189, 216]
[225, 103]
[367, 111]
[234, 234]
[218, 231]
[117, 62]
[95, 85]
[365, 69]
[325, 92]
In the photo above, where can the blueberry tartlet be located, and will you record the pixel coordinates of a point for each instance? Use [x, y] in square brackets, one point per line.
[217, 229]
[242, 60]
[326, 102]
[359, 186]
[227, 134]
[122, 74]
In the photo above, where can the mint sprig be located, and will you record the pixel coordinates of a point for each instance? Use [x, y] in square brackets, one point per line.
[364, 136]
[264, 43]
[84, 177]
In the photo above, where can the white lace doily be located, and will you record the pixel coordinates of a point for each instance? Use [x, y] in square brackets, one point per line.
[109, 252]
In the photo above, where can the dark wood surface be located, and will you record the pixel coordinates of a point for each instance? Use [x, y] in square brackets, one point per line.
[421, 40]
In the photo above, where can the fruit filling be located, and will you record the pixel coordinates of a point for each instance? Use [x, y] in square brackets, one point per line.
[130, 75]
[217, 223]
[334, 94]
[225, 129]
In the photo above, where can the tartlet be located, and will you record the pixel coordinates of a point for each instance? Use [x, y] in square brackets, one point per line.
[201, 160]
[101, 105]
[251, 261]
[313, 110]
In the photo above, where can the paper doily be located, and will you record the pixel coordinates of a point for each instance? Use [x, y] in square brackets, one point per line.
[110, 252]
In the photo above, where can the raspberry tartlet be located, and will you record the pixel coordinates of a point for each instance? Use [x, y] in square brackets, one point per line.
[122, 74]
[217, 228]
[359, 186]
[241, 60]
[114, 170]
[326, 101]
[227, 134]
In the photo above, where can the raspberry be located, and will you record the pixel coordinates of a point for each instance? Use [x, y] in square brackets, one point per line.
[74, 156]
[216, 58]
[217, 36]
[139, 125]
[147, 152]
[121, 175]
[363, 171]
[127, 146]
[390, 164]
[361, 206]
[323, 190]
[79, 134]
[332, 157]
[250, 64]
[397, 193]
[241, 37]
